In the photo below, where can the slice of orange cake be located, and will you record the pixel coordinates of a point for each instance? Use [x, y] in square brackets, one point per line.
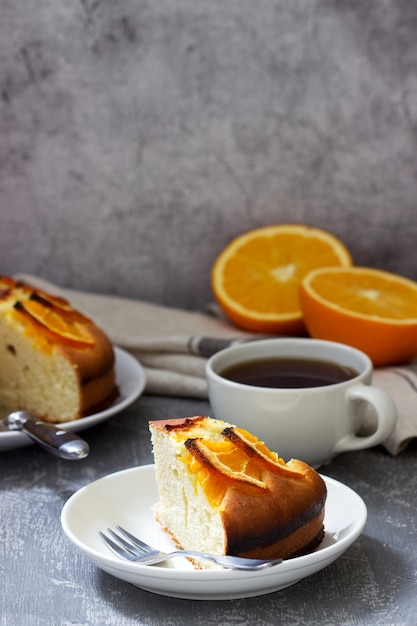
[223, 491]
[54, 361]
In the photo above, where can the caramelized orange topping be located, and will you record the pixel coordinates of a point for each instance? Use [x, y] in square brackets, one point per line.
[6, 285]
[184, 425]
[9, 283]
[225, 458]
[214, 476]
[60, 306]
[258, 450]
[47, 319]
[4, 292]
[5, 281]
[52, 326]
[239, 461]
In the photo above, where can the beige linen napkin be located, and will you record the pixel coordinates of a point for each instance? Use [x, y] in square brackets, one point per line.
[173, 346]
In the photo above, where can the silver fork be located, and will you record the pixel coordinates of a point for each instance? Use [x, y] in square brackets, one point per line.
[133, 549]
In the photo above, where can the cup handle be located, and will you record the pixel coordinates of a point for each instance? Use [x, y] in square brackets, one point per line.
[386, 412]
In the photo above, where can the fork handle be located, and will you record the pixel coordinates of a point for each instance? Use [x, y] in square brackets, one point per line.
[235, 562]
[231, 562]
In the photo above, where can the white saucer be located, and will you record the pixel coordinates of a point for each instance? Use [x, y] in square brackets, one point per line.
[127, 497]
[130, 379]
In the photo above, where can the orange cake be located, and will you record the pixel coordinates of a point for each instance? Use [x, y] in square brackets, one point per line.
[223, 491]
[54, 361]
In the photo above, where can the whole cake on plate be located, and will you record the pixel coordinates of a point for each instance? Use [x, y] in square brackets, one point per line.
[223, 491]
[54, 361]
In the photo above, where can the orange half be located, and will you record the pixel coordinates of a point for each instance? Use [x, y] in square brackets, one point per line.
[256, 278]
[372, 310]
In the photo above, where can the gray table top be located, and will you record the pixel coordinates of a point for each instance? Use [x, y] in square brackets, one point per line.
[45, 580]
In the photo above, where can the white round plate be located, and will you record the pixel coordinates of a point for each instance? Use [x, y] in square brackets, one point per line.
[127, 498]
[130, 379]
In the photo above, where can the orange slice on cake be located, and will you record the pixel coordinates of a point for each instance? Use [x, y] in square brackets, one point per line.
[54, 325]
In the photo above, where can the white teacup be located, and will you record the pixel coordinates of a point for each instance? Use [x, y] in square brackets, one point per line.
[312, 424]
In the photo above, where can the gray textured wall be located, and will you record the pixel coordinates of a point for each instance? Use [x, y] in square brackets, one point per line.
[139, 136]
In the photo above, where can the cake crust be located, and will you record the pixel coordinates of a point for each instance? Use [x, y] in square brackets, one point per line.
[298, 505]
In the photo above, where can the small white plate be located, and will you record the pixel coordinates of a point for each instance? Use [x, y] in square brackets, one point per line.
[127, 498]
[130, 379]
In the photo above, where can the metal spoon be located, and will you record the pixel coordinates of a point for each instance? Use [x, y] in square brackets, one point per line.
[53, 438]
